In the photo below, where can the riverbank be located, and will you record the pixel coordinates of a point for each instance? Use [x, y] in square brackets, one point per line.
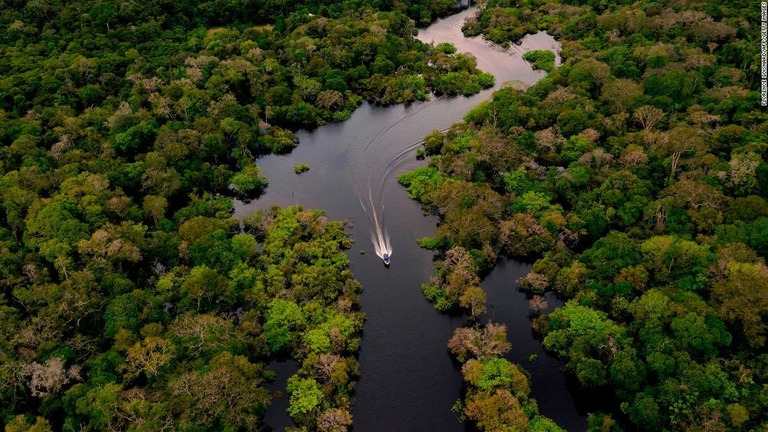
[409, 381]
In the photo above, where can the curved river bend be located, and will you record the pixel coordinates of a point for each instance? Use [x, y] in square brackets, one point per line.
[409, 381]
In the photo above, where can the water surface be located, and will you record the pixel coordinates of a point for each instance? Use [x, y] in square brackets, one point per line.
[409, 382]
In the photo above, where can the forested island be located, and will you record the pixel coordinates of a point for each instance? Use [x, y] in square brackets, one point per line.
[634, 176]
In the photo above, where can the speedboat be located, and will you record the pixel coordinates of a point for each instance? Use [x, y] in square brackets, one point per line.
[386, 259]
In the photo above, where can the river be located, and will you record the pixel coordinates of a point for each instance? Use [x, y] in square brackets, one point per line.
[409, 382]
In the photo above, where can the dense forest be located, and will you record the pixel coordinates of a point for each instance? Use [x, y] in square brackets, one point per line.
[635, 176]
[130, 299]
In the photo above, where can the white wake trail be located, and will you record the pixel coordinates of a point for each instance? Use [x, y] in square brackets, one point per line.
[379, 238]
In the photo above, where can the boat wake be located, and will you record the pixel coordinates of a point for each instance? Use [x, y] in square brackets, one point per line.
[382, 245]
[379, 235]
[380, 161]
[381, 157]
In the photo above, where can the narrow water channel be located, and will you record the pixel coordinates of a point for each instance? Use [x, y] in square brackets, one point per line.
[409, 382]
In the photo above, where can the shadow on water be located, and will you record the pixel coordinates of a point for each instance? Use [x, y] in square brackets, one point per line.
[409, 382]
[276, 418]
[550, 387]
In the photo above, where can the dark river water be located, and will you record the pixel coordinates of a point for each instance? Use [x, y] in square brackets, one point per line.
[409, 382]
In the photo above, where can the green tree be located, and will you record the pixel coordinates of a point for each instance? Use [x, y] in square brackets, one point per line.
[249, 181]
[306, 396]
[741, 300]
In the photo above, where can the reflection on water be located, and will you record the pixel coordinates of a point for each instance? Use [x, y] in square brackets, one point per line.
[409, 382]
[549, 386]
[276, 417]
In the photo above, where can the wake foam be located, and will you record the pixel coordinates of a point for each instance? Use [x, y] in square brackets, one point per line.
[381, 243]
[379, 236]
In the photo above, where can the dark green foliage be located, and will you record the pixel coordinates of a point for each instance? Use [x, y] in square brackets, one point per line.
[641, 197]
[125, 131]
[192, 344]
[541, 59]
